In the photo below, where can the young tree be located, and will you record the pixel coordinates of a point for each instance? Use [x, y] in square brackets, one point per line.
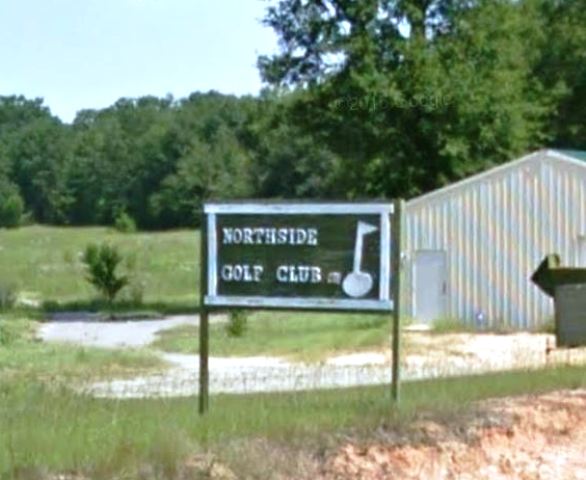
[101, 263]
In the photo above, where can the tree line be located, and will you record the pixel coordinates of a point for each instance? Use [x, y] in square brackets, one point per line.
[369, 99]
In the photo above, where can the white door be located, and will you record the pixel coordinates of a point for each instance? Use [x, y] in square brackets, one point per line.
[430, 286]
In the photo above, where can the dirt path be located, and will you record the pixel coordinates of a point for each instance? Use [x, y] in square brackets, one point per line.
[89, 330]
[427, 356]
[525, 438]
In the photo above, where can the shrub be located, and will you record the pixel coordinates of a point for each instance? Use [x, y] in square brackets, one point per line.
[237, 323]
[124, 223]
[11, 206]
[101, 263]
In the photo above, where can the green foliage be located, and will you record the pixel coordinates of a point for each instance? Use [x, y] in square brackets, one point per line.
[101, 263]
[559, 65]
[366, 99]
[47, 263]
[413, 95]
[237, 323]
[124, 223]
[11, 205]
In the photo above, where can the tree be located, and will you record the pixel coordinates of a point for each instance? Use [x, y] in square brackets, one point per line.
[560, 66]
[11, 205]
[289, 162]
[101, 263]
[34, 153]
[40, 160]
[219, 169]
[410, 94]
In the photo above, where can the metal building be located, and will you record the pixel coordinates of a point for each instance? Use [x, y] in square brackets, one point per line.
[471, 247]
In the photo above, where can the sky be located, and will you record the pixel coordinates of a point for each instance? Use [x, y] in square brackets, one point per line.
[78, 54]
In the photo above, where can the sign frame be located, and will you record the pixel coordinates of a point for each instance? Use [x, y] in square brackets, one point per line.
[384, 302]
[392, 244]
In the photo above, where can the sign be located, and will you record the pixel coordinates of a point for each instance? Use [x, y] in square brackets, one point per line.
[321, 256]
[299, 255]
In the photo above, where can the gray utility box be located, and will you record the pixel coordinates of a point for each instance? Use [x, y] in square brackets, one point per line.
[570, 314]
[567, 286]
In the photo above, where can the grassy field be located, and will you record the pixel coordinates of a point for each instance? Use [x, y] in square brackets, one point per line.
[300, 336]
[44, 264]
[52, 430]
[25, 359]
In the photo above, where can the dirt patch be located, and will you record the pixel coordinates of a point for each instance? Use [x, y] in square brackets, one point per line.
[525, 438]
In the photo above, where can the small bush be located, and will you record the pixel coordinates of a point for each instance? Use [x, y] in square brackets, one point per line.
[101, 263]
[124, 223]
[237, 323]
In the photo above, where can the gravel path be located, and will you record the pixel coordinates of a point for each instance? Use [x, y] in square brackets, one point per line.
[90, 331]
[430, 356]
[269, 374]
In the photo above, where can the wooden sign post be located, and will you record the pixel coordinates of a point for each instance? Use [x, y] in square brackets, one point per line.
[309, 256]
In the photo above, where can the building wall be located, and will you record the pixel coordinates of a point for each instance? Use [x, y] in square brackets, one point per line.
[495, 228]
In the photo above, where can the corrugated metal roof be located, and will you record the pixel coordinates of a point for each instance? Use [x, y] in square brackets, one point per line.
[578, 154]
[568, 155]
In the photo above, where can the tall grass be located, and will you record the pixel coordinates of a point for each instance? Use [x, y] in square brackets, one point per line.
[52, 429]
[45, 263]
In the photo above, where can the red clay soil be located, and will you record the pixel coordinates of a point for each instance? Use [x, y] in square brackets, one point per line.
[535, 438]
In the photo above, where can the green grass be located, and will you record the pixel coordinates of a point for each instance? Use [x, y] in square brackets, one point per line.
[23, 357]
[300, 336]
[450, 325]
[44, 264]
[52, 430]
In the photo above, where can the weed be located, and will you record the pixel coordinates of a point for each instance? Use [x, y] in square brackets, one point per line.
[237, 323]
[8, 295]
[124, 223]
[450, 325]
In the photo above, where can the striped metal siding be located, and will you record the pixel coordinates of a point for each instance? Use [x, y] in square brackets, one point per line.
[495, 229]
